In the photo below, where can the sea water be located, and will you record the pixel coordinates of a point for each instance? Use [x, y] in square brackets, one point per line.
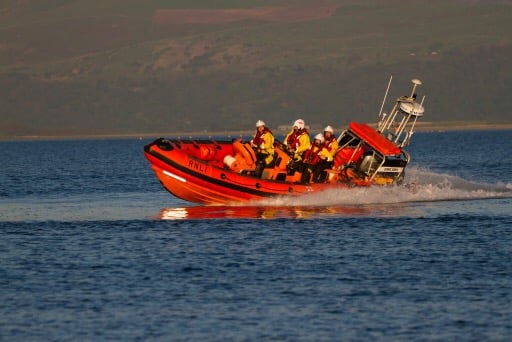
[93, 248]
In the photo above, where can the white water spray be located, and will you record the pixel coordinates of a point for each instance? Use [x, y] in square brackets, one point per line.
[421, 186]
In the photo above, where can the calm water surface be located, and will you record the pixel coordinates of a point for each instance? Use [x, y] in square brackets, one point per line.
[92, 248]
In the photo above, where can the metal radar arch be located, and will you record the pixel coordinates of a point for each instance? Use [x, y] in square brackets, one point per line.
[398, 126]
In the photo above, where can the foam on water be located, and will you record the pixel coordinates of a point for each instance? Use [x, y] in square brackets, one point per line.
[421, 186]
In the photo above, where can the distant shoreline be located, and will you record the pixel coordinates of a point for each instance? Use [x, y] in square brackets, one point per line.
[420, 127]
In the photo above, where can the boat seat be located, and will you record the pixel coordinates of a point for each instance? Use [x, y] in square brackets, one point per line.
[281, 159]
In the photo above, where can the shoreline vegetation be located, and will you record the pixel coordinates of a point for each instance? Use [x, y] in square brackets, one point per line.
[205, 68]
[420, 127]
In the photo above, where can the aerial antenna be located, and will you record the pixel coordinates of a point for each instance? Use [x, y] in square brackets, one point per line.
[411, 131]
[385, 96]
[416, 83]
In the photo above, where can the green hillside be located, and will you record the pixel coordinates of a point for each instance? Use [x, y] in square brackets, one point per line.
[129, 66]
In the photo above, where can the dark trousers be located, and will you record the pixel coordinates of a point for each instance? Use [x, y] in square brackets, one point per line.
[260, 163]
[314, 172]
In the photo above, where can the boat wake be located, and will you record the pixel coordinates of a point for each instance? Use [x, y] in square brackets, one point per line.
[420, 186]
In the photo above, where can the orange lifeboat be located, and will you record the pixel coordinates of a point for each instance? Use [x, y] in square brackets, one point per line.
[222, 172]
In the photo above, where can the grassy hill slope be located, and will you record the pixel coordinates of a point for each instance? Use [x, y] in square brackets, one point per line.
[127, 66]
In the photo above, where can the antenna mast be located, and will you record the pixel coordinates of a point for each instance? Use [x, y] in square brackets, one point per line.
[385, 96]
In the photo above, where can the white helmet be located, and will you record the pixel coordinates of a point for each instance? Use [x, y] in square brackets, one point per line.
[299, 123]
[320, 137]
[260, 123]
[329, 129]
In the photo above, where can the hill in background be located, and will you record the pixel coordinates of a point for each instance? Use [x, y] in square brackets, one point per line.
[130, 67]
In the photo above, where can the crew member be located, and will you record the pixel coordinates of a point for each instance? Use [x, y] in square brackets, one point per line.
[263, 145]
[331, 143]
[297, 140]
[315, 160]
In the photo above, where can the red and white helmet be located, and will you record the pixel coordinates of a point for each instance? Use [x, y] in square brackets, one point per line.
[328, 129]
[299, 123]
[260, 123]
[320, 137]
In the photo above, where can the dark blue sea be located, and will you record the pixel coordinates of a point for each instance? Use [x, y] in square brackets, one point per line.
[93, 248]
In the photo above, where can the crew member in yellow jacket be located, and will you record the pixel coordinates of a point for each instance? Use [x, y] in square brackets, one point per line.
[263, 145]
[315, 160]
[331, 143]
[297, 140]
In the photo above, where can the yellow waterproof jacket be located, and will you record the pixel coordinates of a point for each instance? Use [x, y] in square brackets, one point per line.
[298, 143]
[316, 154]
[325, 154]
[264, 144]
[332, 146]
[304, 144]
